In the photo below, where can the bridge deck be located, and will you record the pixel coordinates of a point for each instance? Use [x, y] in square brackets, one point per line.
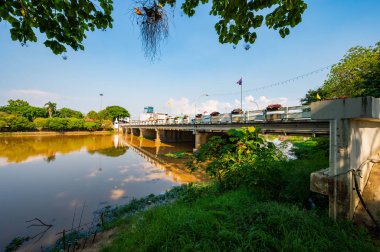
[306, 127]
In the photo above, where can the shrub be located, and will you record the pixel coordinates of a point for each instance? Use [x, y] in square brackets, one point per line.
[107, 125]
[234, 159]
[41, 123]
[58, 124]
[92, 126]
[20, 123]
[75, 124]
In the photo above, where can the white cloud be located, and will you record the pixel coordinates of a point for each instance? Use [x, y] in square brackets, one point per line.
[33, 96]
[185, 107]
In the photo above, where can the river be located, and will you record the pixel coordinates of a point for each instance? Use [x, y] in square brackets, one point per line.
[56, 178]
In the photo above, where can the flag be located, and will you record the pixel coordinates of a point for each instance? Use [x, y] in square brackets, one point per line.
[318, 97]
[240, 82]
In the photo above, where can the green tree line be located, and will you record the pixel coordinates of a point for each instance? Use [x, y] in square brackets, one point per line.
[356, 74]
[19, 115]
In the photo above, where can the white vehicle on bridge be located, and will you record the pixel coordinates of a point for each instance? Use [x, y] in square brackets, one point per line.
[237, 116]
[170, 120]
[225, 118]
[215, 117]
[273, 112]
[206, 119]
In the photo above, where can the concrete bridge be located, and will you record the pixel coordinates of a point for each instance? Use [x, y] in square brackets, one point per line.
[200, 133]
[354, 152]
[353, 126]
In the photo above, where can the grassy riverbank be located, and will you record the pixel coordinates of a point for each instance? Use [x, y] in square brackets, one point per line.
[277, 214]
[238, 220]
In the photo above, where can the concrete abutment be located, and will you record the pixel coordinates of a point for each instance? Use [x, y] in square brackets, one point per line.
[354, 139]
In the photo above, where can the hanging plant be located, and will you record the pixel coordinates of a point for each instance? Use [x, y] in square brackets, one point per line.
[154, 28]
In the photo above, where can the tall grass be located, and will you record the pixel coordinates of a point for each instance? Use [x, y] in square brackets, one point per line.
[237, 221]
[267, 213]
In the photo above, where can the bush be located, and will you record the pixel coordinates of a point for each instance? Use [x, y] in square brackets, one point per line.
[75, 124]
[57, 124]
[12, 122]
[107, 125]
[234, 159]
[92, 126]
[41, 123]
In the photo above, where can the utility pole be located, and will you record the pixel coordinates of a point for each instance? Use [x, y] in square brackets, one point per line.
[101, 96]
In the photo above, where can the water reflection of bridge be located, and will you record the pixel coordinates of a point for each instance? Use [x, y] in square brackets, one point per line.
[153, 151]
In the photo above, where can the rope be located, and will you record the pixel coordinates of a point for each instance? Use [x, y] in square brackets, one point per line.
[357, 173]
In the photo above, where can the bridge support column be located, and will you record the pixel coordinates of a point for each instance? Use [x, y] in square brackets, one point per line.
[135, 131]
[148, 133]
[127, 130]
[158, 139]
[200, 138]
[354, 138]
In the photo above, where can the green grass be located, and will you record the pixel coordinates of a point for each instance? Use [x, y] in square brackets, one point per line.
[236, 221]
[268, 215]
[177, 155]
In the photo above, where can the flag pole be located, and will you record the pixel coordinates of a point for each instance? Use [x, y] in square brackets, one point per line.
[241, 97]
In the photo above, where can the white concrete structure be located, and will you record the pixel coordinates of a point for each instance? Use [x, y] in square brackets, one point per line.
[354, 138]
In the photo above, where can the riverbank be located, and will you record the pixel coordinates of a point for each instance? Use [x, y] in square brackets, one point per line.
[55, 133]
[281, 216]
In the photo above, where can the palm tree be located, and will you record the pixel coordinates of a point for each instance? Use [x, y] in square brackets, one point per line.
[51, 107]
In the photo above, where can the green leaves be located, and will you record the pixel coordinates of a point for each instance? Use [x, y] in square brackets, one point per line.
[238, 19]
[63, 22]
[357, 74]
[233, 159]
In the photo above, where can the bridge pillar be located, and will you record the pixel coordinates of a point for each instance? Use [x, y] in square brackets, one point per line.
[200, 138]
[148, 133]
[158, 139]
[203, 137]
[135, 131]
[354, 138]
[174, 136]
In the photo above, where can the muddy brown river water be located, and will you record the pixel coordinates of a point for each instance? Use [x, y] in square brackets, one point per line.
[55, 178]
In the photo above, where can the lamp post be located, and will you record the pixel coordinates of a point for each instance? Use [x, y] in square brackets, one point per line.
[195, 103]
[257, 105]
[101, 96]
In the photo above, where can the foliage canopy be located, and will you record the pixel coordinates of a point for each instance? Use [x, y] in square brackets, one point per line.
[234, 159]
[112, 112]
[65, 23]
[357, 74]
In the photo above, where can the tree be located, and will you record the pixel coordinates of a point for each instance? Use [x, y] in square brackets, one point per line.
[357, 74]
[113, 112]
[22, 108]
[313, 96]
[63, 22]
[66, 22]
[92, 115]
[68, 113]
[51, 108]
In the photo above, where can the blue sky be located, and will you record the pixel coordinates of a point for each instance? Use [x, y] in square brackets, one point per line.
[192, 62]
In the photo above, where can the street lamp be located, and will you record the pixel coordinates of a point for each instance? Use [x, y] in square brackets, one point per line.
[101, 95]
[195, 103]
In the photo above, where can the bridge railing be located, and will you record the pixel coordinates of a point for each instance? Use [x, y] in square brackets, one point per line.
[282, 114]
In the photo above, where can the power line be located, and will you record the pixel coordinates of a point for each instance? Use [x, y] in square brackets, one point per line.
[277, 83]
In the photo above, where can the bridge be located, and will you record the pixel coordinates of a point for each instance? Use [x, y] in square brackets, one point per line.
[200, 133]
[282, 121]
[353, 126]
